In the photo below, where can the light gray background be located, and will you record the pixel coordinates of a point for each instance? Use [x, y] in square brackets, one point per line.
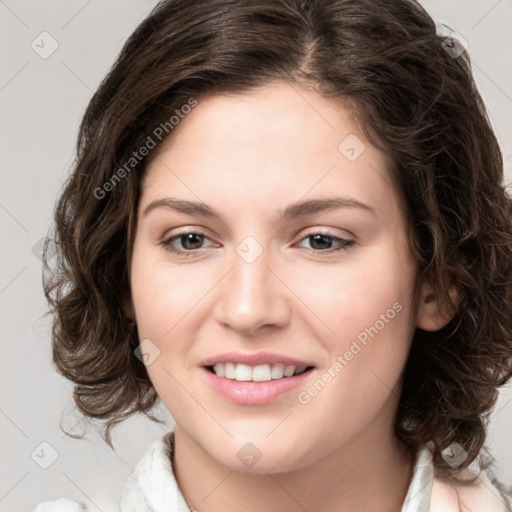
[41, 103]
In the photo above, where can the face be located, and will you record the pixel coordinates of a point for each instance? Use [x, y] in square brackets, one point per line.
[271, 279]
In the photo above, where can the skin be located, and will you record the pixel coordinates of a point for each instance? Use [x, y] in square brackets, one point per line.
[249, 156]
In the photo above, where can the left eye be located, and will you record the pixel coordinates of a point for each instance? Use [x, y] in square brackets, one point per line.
[323, 239]
[193, 240]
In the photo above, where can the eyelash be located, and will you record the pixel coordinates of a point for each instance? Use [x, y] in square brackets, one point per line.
[345, 245]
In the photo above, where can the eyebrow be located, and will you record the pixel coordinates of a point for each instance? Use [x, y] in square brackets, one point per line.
[290, 212]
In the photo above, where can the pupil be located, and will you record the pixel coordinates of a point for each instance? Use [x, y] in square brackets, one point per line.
[189, 239]
[317, 238]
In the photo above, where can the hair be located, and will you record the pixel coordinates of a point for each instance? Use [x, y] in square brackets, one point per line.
[416, 101]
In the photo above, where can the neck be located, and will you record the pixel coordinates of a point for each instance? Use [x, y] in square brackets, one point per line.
[371, 472]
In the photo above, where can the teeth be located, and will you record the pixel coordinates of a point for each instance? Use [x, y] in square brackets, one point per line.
[260, 373]
[229, 370]
[289, 371]
[277, 371]
[219, 370]
[243, 372]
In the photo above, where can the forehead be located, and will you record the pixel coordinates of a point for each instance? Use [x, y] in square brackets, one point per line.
[276, 143]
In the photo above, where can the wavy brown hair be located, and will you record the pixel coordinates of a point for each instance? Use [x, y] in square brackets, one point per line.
[416, 101]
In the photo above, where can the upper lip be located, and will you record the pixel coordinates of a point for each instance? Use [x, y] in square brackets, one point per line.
[254, 359]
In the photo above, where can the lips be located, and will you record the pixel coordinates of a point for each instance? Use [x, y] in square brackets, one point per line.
[254, 378]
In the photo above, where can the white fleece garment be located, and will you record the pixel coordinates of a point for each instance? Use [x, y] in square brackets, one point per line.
[151, 487]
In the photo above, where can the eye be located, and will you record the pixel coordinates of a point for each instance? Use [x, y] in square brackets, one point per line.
[324, 242]
[190, 242]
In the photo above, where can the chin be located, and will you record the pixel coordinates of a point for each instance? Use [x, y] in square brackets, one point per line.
[261, 455]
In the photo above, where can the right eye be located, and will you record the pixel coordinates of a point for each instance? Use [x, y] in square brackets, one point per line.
[190, 242]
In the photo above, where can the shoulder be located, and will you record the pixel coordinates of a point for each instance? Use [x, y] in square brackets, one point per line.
[61, 505]
[468, 494]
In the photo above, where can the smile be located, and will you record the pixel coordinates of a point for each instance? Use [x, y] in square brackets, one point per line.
[260, 373]
[255, 378]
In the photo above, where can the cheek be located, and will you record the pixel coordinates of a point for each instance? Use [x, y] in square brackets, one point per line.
[163, 295]
[360, 299]
[366, 326]
[163, 299]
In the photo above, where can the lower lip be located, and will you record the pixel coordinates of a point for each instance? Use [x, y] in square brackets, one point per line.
[254, 393]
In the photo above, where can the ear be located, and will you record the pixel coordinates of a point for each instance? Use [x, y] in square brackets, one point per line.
[431, 315]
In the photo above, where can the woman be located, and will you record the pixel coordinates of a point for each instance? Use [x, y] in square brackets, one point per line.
[287, 222]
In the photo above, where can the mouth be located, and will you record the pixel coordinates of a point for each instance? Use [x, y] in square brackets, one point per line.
[260, 373]
[252, 379]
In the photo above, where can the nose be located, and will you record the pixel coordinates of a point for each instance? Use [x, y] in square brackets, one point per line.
[252, 296]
